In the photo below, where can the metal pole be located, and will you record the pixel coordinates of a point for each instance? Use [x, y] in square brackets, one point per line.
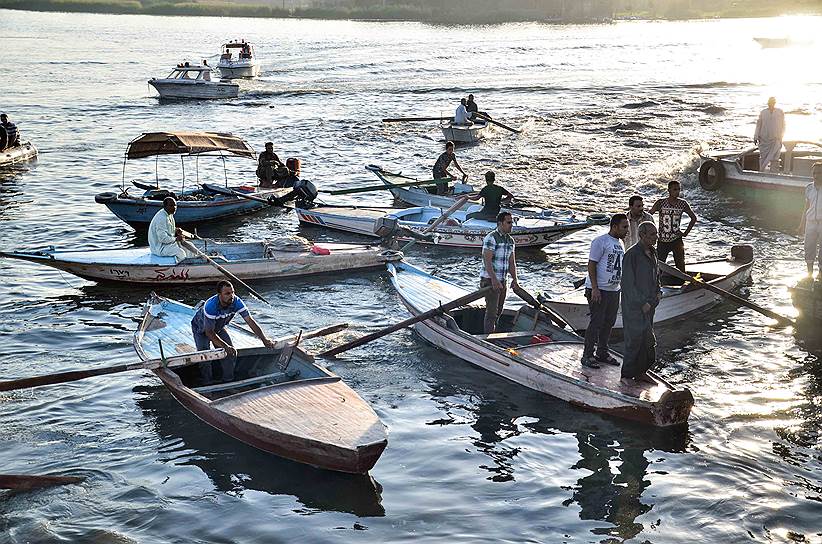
[183, 162]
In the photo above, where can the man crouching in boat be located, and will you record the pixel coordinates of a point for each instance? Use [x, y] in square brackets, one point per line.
[209, 327]
[497, 262]
[163, 234]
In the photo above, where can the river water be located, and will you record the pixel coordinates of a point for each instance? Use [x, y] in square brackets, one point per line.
[607, 110]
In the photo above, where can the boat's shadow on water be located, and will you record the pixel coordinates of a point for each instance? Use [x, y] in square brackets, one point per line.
[234, 467]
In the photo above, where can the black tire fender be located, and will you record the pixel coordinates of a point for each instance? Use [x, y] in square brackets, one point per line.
[711, 182]
[102, 198]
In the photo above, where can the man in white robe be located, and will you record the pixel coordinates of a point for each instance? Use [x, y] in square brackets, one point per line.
[770, 127]
[163, 234]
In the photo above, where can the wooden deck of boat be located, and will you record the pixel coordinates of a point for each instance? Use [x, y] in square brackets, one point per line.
[320, 409]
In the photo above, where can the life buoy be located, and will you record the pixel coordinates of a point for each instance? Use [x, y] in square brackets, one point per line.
[711, 181]
[102, 198]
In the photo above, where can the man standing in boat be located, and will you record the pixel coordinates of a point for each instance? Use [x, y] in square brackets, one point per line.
[770, 128]
[670, 216]
[811, 224]
[440, 170]
[640, 297]
[602, 291]
[209, 327]
[11, 136]
[163, 234]
[493, 196]
[269, 165]
[636, 216]
[498, 261]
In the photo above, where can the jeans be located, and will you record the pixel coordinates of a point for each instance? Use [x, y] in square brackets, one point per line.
[494, 303]
[677, 247]
[203, 342]
[603, 317]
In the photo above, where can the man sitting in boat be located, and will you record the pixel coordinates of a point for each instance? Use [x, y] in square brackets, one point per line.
[209, 327]
[461, 116]
[473, 109]
[440, 171]
[493, 196]
[11, 137]
[270, 168]
[163, 234]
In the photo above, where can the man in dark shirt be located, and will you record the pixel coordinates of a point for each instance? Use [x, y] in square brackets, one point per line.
[12, 135]
[640, 297]
[440, 169]
[269, 167]
[493, 196]
[473, 109]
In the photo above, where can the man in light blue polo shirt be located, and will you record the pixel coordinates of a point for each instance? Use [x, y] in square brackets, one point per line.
[209, 326]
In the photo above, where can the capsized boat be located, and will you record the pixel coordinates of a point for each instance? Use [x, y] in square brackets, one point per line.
[237, 59]
[187, 81]
[195, 204]
[467, 134]
[455, 231]
[283, 257]
[677, 300]
[737, 172]
[289, 406]
[535, 353]
[17, 154]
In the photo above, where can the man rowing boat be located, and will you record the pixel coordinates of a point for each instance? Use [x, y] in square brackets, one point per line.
[440, 169]
[492, 196]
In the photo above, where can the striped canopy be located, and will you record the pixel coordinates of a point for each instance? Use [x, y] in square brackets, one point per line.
[187, 143]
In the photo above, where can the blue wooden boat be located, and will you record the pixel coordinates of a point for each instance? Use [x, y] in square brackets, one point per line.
[197, 204]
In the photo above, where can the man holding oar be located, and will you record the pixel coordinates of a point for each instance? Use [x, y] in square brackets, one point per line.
[440, 169]
[497, 262]
[492, 196]
[163, 235]
[209, 326]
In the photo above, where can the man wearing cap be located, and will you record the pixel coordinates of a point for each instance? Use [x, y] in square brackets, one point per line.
[492, 196]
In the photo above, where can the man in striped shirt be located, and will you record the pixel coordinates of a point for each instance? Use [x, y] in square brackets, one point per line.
[12, 134]
[497, 262]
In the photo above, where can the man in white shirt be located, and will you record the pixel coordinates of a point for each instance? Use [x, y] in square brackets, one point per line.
[602, 291]
[461, 116]
[163, 234]
[770, 127]
[636, 216]
[811, 224]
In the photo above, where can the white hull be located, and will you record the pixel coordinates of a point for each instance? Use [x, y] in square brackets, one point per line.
[239, 70]
[463, 133]
[20, 153]
[674, 303]
[206, 90]
[139, 266]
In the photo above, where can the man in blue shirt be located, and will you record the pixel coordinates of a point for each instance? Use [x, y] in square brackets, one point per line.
[209, 326]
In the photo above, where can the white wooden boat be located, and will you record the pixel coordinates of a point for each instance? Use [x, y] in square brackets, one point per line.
[288, 406]
[463, 133]
[677, 300]
[186, 81]
[238, 60]
[455, 231]
[280, 258]
[737, 173]
[549, 366]
[17, 154]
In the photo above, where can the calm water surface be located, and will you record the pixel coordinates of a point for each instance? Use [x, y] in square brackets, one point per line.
[606, 110]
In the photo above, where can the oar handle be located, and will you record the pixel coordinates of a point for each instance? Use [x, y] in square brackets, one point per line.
[456, 206]
[229, 275]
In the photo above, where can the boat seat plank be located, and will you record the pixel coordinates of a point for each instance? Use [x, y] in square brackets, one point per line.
[507, 335]
[244, 383]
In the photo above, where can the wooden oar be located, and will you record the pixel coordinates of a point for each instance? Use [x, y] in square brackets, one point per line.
[271, 201]
[456, 206]
[369, 188]
[24, 482]
[73, 376]
[506, 127]
[677, 273]
[280, 343]
[462, 301]
[539, 307]
[414, 119]
[191, 247]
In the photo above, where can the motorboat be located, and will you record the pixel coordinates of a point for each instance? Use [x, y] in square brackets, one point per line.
[187, 81]
[237, 60]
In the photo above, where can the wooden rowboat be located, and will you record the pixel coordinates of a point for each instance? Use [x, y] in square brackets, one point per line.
[19, 153]
[463, 133]
[246, 260]
[456, 231]
[677, 300]
[520, 353]
[293, 408]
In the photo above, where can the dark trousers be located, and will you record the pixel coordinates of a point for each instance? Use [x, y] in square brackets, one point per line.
[640, 342]
[487, 215]
[677, 247]
[203, 342]
[494, 303]
[603, 317]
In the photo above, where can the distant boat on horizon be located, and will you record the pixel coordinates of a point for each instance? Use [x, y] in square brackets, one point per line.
[774, 43]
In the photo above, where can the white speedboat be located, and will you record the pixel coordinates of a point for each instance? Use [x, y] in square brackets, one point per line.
[186, 81]
[238, 60]
[463, 133]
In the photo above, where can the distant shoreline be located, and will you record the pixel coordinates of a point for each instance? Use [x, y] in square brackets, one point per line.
[386, 13]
